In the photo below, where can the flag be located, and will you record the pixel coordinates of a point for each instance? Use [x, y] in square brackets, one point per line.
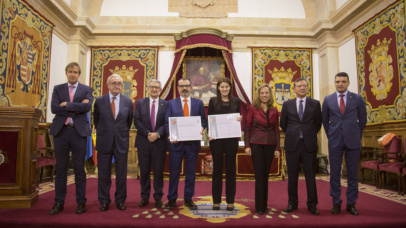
[89, 145]
[94, 148]
[95, 152]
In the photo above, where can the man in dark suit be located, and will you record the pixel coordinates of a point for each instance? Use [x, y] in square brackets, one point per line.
[112, 116]
[344, 119]
[183, 106]
[151, 142]
[70, 103]
[301, 121]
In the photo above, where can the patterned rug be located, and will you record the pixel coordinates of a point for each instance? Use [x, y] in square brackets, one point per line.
[365, 188]
[377, 208]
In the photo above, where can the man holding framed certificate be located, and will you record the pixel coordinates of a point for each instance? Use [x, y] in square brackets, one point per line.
[177, 121]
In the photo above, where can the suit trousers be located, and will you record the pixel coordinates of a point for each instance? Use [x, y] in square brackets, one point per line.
[69, 140]
[175, 166]
[227, 147]
[262, 156]
[352, 157]
[104, 178]
[156, 157]
[309, 160]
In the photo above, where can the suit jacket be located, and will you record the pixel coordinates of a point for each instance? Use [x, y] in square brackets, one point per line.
[175, 109]
[309, 126]
[348, 125]
[142, 121]
[75, 109]
[109, 128]
[258, 132]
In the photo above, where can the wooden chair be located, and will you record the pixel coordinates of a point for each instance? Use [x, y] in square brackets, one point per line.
[392, 162]
[370, 161]
[45, 156]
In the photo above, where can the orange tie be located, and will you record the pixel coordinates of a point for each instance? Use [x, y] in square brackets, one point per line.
[113, 107]
[185, 108]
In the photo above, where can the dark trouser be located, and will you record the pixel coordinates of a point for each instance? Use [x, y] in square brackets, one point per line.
[262, 156]
[69, 140]
[352, 157]
[309, 160]
[175, 166]
[146, 157]
[104, 177]
[229, 148]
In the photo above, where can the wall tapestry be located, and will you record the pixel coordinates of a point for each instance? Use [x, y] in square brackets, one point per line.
[381, 66]
[280, 67]
[136, 65]
[25, 55]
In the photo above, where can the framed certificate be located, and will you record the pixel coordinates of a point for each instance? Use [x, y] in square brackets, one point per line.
[224, 126]
[185, 128]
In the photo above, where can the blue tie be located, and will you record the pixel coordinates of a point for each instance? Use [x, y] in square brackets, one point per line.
[301, 115]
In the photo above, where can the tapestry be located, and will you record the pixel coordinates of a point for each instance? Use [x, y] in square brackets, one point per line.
[381, 66]
[136, 65]
[280, 67]
[24, 63]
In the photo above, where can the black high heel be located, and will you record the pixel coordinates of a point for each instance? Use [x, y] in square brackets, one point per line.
[230, 208]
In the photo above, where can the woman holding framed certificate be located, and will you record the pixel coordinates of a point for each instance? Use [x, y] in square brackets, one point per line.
[262, 141]
[224, 103]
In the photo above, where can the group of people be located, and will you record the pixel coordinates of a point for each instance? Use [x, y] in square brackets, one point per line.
[343, 116]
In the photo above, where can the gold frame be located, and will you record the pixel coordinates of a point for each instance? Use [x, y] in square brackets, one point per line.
[201, 61]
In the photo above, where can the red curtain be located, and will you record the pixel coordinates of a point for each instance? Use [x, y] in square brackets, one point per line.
[196, 41]
[209, 41]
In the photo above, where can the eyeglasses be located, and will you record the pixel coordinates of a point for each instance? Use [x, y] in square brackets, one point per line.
[154, 87]
[119, 84]
[183, 86]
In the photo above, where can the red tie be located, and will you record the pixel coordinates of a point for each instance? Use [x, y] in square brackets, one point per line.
[342, 104]
[113, 107]
[185, 108]
[71, 99]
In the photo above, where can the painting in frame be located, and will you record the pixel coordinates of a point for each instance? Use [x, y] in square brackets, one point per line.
[203, 72]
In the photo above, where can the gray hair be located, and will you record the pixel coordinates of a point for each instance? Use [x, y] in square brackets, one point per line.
[154, 80]
[113, 75]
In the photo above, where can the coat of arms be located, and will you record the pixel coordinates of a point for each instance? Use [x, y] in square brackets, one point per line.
[282, 84]
[380, 69]
[26, 61]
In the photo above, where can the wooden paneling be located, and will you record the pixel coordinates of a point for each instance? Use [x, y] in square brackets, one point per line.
[22, 192]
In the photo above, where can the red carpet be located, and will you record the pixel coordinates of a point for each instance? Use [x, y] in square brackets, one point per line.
[374, 211]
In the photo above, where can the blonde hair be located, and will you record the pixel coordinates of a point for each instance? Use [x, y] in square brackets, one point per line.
[257, 102]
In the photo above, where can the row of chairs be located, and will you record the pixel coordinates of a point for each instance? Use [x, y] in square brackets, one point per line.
[390, 160]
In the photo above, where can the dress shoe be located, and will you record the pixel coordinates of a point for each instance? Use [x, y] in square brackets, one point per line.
[56, 209]
[190, 205]
[260, 212]
[336, 209]
[216, 206]
[352, 210]
[230, 207]
[171, 204]
[143, 203]
[81, 208]
[120, 206]
[290, 208]
[104, 207]
[158, 203]
[313, 210]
